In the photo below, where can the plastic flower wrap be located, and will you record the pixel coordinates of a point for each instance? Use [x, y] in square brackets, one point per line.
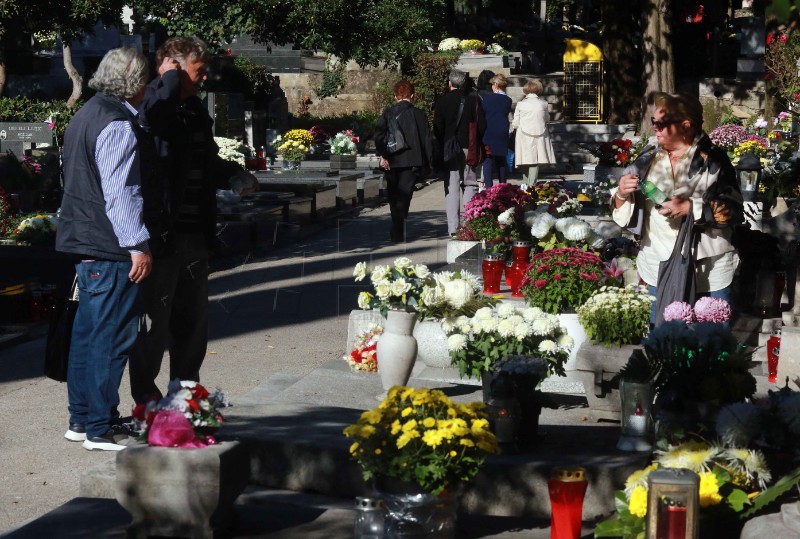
[449, 44]
[36, 230]
[422, 436]
[562, 279]
[199, 409]
[476, 343]
[616, 315]
[364, 355]
[344, 143]
[398, 286]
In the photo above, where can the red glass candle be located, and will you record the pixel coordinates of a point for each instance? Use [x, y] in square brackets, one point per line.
[492, 269]
[672, 520]
[567, 487]
[773, 352]
[522, 253]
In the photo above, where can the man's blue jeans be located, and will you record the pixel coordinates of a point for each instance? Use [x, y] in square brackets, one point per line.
[105, 328]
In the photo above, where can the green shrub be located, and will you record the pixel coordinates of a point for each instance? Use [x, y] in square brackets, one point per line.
[23, 109]
[258, 77]
[429, 77]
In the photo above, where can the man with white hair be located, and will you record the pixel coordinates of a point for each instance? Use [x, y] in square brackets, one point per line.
[102, 223]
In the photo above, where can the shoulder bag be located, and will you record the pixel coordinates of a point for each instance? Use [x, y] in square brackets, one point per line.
[476, 152]
[676, 279]
[59, 336]
[395, 139]
[451, 148]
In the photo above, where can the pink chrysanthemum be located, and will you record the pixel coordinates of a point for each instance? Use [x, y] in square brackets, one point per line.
[708, 309]
[679, 310]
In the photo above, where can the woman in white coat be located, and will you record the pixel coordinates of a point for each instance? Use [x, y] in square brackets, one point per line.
[532, 146]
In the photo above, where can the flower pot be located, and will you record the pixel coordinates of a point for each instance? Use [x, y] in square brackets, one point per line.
[432, 344]
[290, 165]
[397, 349]
[412, 512]
[342, 161]
[573, 328]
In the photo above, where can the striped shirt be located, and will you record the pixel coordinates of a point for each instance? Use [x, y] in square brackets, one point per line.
[117, 159]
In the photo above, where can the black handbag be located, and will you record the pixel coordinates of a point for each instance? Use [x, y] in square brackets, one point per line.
[395, 139]
[676, 277]
[451, 149]
[59, 336]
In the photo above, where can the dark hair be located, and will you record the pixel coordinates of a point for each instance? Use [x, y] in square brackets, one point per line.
[483, 79]
[403, 89]
[182, 49]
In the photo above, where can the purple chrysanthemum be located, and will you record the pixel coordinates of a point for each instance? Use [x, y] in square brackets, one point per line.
[708, 309]
[679, 310]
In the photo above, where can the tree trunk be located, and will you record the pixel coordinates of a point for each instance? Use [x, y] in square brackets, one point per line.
[659, 67]
[2, 76]
[623, 62]
[74, 76]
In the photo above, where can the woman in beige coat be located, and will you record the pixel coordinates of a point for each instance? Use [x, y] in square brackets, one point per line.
[532, 146]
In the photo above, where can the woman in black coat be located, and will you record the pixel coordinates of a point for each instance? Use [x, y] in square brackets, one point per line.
[406, 167]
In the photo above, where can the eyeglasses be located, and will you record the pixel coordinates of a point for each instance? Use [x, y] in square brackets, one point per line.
[661, 124]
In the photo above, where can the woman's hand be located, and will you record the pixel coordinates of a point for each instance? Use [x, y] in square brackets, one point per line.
[675, 208]
[628, 184]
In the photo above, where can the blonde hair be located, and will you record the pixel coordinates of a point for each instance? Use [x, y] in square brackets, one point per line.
[533, 87]
[500, 80]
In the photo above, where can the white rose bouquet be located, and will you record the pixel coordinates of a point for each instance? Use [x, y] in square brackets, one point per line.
[399, 286]
[476, 343]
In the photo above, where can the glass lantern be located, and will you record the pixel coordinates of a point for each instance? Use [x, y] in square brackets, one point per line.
[370, 518]
[672, 504]
[637, 424]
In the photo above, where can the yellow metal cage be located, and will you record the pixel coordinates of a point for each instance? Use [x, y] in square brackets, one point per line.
[583, 82]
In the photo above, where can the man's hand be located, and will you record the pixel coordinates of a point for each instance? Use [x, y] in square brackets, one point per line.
[384, 164]
[168, 64]
[142, 264]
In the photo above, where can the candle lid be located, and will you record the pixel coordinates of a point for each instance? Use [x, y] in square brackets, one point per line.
[522, 243]
[569, 474]
[493, 257]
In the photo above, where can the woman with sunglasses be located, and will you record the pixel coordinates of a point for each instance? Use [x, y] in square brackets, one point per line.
[697, 177]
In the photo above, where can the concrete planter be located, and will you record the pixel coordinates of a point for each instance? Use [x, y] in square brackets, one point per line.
[342, 161]
[173, 492]
[456, 248]
[595, 365]
[432, 344]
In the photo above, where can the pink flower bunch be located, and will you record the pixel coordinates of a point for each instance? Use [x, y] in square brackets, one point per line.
[322, 132]
[679, 310]
[728, 136]
[759, 139]
[706, 309]
[497, 199]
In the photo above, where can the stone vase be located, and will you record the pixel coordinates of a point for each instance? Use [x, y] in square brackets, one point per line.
[342, 161]
[397, 349]
[176, 492]
[573, 328]
[432, 344]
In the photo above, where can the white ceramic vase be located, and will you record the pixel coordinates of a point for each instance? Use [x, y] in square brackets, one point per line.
[397, 349]
[573, 327]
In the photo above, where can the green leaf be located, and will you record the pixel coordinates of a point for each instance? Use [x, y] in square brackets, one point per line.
[737, 499]
[771, 494]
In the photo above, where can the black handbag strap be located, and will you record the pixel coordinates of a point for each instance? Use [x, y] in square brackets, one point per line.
[460, 112]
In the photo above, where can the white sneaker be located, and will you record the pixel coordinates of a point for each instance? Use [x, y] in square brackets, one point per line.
[75, 433]
[115, 439]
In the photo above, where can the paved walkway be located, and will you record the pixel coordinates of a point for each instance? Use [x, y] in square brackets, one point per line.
[278, 312]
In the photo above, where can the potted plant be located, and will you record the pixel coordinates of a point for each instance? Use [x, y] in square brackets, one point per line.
[418, 446]
[612, 157]
[478, 342]
[398, 296]
[294, 146]
[524, 374]
[615, 316]
[496, 216]
[562, 279]
[343, 150]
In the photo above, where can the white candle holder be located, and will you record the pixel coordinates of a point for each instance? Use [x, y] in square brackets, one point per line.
[637, 424]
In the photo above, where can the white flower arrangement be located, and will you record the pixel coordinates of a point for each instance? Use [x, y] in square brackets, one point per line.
[570, 207]
[231, 149]
[399, 286]
[452, 294]
[344, 143]
[495, 48]
[563, 232]
[449, 44]
[506, 218]
[617, 316]
[477, 342]
[36, 230]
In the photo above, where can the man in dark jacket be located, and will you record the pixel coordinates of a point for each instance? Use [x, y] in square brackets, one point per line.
[102, 222]
[404, 168]
[446, 124]
[176, 295]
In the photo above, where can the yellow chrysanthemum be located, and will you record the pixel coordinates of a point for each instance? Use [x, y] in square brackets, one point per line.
[396, 427]
[453, 453]
[407, 411]
[406, 437]
[432, 438]
[428, 422]
[367, 431]
[373, 417]
[638, 502]
[709, 490]
[410, 425]
[638, 478]
[466, 442]
[479, 426]
[353, 448]
[377, 450]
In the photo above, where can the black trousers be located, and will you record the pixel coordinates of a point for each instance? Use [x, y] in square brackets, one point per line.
[400, 185]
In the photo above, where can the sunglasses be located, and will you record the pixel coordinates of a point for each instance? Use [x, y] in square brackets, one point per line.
[661, 124]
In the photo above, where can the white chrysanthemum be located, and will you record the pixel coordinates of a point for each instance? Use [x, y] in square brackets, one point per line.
[506, 218]
[383, 290]
[360, 271]
[472, 280]
[428, 296]
[577, 230]
[542, 224]
[544, 326]
[566, 343]
[400, 287]
[443, 276]
[363, 300]
[505, 328]
[532, 313]
[505, 310]
[738, 423]
[457, 293]
[548, 347]
[464, 324]
[456, 342]
[448, 325]
[529, 217]
[477, 326]
[484, 313]
[516, 319]
[489, 325]
[449, 44]
[402, 263]
[380, 274]
[421, 270]
[522, 330]
[748, 462]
